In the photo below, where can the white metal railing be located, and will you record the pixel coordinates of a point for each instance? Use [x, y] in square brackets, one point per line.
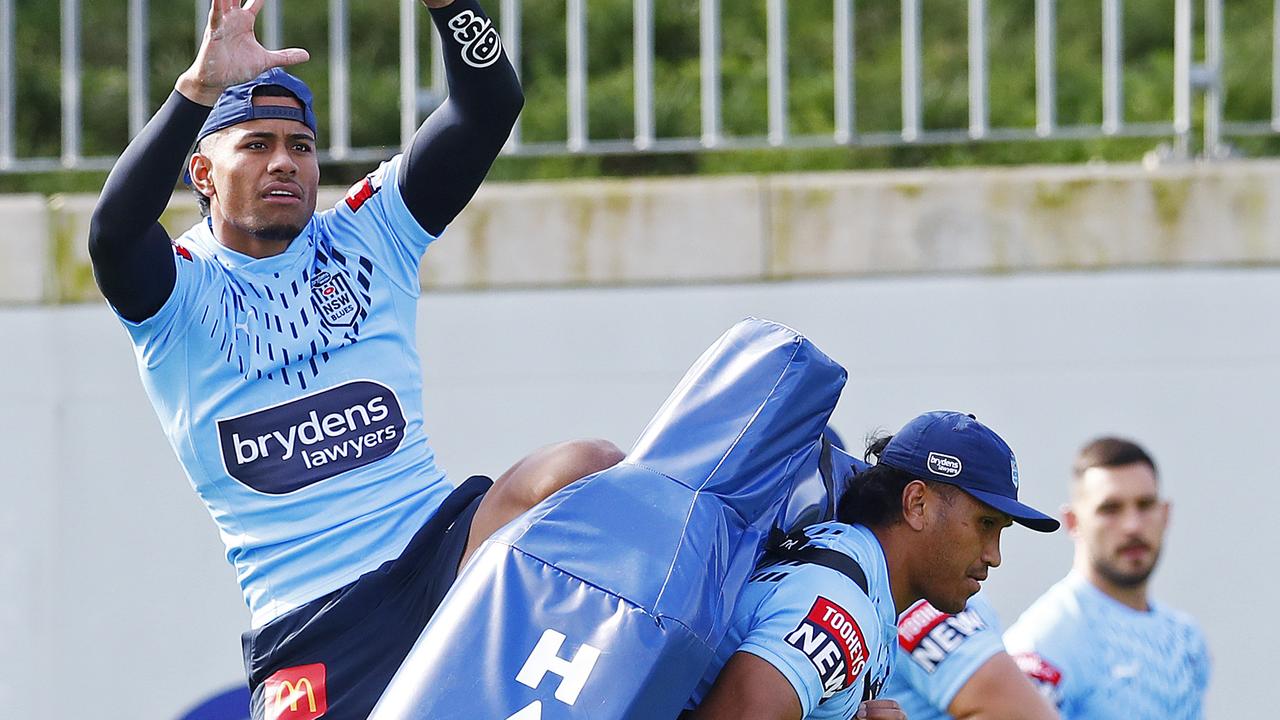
[1191, 79]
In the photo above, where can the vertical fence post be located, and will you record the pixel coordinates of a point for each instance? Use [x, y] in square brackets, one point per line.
[709, 70]
[643, 53]
[911, 71]
[511, 41]
[1214, 90]
[71, 83]
[1046, 85]
[8, 105]
[1182, 21]
[777, 63]
[273, 24]
[1112, 66]
[845, 77]
[202, 19]
[979, 115]
[576, 30]
[339, 81]
[138, 65]
[408, 70]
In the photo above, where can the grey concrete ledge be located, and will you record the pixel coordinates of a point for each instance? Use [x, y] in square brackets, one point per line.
[771, 227]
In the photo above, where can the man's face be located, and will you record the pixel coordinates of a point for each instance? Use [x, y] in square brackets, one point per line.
[961, 542]
[264, 175]
[1118, 520]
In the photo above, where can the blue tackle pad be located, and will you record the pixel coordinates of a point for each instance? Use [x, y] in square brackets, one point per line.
[608, 599]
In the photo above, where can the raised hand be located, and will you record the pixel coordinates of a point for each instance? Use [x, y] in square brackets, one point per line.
[230, 53]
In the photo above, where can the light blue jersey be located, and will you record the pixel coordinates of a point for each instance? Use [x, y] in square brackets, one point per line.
[938, 653]
[833, 642]
[291, 391]
[1096, 658]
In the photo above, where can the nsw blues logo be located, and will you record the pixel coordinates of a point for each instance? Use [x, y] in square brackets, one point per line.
[287, 447]
[332, 297]
[481, 44]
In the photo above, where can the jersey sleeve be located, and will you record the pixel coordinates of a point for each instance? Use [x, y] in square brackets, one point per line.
[195, 276]
[818, 629]
[373, 216]
[1043, 661]
[941, 652]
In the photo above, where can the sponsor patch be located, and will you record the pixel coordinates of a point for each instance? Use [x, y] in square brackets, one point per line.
[296, 693]
[481, 44]
[363, 191]
[333, 299]
[929, 635]
[944, 465]
[181, 251]
[1042, 674]
[833, 642]
[1013, 469]
[287, 447]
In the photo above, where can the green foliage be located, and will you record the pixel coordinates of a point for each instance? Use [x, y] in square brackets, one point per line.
[374, 56]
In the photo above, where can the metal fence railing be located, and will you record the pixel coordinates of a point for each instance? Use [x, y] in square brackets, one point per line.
[1192, 78]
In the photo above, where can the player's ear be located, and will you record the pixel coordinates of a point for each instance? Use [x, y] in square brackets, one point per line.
[1070, 520]
[200, 170]
[913, 502]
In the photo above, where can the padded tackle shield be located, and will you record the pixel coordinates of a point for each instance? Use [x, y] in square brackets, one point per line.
[608, 599]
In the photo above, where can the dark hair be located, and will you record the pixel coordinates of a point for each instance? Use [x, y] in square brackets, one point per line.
[874, 496]
[260, 91]
[1111, 452]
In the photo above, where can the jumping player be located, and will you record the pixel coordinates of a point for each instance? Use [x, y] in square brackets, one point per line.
[955, 666]
[1096, 644]
[277, 346]
[815, 631]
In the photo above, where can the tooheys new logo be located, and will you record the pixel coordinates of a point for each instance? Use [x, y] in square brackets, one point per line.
[929, 635]
[286, 447]
[833, 642]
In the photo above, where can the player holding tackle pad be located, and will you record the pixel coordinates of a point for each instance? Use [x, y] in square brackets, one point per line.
[609, 599]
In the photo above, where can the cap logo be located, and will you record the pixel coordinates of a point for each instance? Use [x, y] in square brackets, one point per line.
[944, 465]
[1013, 466]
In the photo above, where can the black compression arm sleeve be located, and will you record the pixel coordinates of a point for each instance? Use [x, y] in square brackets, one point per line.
[132, 259]
[453, 150]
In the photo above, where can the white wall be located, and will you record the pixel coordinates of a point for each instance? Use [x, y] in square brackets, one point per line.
[112, 575]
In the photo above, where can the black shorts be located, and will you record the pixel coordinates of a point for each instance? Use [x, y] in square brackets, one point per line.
[334, 656]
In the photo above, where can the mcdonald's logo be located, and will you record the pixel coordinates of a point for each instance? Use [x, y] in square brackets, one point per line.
[296, 693]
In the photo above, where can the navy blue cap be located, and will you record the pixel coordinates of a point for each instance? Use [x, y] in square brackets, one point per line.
[956, 449]
[235, 105]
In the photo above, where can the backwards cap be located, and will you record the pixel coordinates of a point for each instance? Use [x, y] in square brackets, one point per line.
[235, 105]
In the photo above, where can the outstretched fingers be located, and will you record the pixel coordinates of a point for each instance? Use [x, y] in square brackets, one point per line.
[288, 56]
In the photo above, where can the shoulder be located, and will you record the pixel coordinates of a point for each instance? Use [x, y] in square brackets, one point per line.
[1055, 615]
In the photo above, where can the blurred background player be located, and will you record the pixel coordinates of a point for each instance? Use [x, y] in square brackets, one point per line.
[955, 666]
[277, 346]
[815, 632]
[1096, 644]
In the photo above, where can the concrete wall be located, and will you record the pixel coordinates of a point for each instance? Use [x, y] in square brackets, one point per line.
[116, 603]
[776, 227]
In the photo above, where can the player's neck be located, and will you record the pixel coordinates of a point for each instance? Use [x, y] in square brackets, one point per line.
[1133, 596]
[896, 550]
[246, 243]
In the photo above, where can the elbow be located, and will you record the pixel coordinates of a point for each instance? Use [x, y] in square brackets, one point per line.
[509, 110]
[97, 235]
